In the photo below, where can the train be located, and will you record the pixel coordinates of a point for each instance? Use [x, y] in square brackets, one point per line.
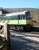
[17, 21]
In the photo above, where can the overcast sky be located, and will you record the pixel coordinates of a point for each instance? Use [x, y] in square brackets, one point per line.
[19, 3]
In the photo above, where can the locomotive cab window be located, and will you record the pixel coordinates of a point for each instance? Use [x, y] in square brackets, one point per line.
[28, 15]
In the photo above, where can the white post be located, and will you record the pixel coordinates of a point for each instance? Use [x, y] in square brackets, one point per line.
[4, 30]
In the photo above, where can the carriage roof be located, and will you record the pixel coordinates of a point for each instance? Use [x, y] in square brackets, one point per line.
[17, 13]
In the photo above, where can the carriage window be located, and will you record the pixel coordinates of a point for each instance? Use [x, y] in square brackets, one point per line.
[21, 17]
[18, 16]
[9, 17]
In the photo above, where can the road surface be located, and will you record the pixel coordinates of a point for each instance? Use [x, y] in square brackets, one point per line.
[24, 41]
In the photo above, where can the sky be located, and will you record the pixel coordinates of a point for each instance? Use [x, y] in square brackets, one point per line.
[19, 3]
